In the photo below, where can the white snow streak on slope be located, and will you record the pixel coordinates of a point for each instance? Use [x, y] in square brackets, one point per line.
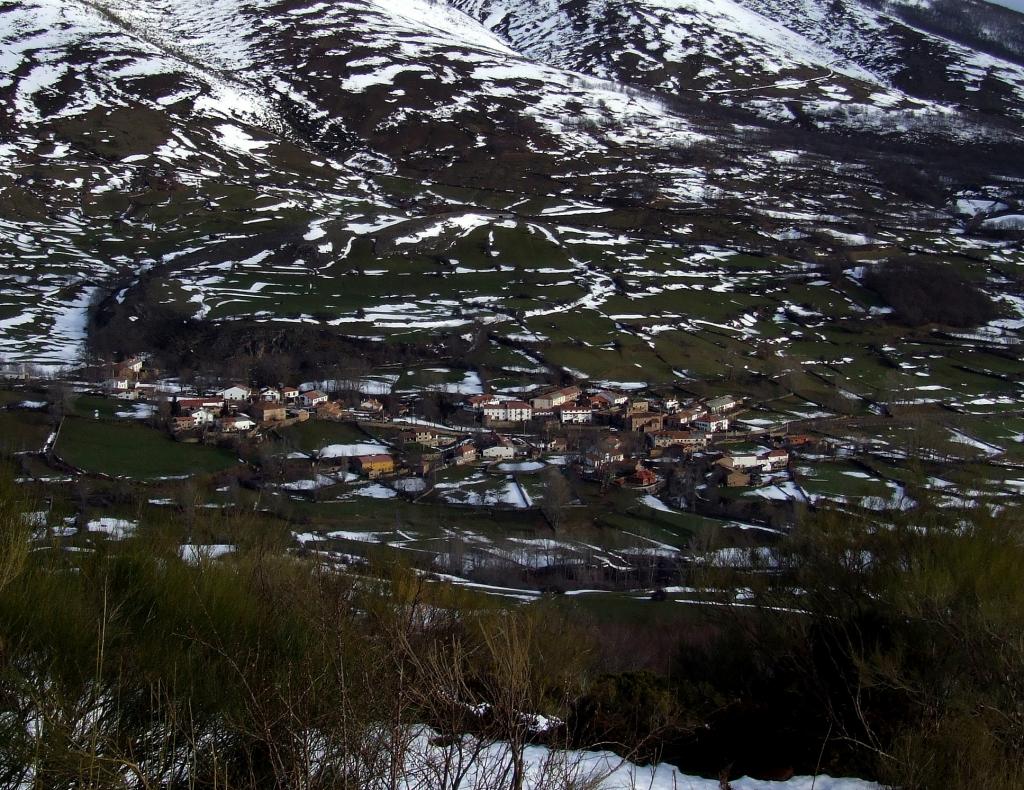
[783, 45]
[848, 29]
[212, 37]
[213, 31]
[38, 35]
[385, 76]
[446, 20]
[666, 28]
[747, 39]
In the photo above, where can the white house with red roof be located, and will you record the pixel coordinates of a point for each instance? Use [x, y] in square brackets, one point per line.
[508, 411]
[313, 398]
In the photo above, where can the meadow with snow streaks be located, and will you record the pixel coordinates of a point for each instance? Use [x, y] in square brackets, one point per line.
[237, 161]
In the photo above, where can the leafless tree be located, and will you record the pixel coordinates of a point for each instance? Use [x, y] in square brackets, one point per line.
[557, 496]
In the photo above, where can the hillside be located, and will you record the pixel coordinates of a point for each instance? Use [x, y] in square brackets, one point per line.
[408, 171]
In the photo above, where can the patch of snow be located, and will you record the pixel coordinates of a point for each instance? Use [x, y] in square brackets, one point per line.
[351, 450]
[192, 553]
[375, 491]
[115, 528]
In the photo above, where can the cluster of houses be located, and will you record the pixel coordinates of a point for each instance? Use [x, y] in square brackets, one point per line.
[666, 426]
[428, 450]
[742, 465]
[661, 427]
[571, 406]
[618, 436]
[424, 450]
[125, 379]
[239, 409]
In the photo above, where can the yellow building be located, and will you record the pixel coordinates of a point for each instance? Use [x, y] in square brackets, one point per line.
[375, 465]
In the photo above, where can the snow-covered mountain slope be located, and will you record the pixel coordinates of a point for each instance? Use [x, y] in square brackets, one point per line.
[768, 54]
[382, 164]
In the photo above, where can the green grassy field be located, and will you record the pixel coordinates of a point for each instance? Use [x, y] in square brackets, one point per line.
[9, 397]
[636, 611]
[314, 435]
[843, 480]
[88, 405]
[23, 430]
[136, 451]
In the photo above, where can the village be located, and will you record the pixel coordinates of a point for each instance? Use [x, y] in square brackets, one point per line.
[622, 439]
[546, 479]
